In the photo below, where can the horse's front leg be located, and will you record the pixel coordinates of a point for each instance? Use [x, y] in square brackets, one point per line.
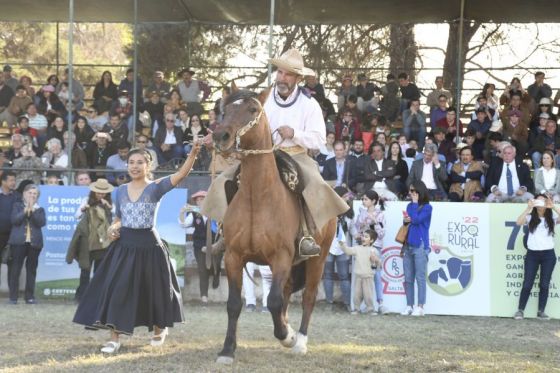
[234, 269]
[280, 267]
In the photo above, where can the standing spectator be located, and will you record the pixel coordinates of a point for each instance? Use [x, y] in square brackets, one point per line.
[127, 84]
[76, 96]
[27, 165]
[433, 97]
[465, 178]
[508, 179]
[6, 94]
[346, 90]
[193, 92]
[540, 252]
[249, 286]
[409, 91]
[159, 86]
[336, 170]
[118, 162]
[547, 177]
[190, 217]
[440, 112]
[417, 248]
[363, 270]
[26, 242]
[431, 172]
[414, 121]
[105, 92]
[389, 104]
[89, 242]
[372, 217]
[9, 78]
[8, 197]
[167, 141]
[539, 88]
[347, 128]
[19, 102]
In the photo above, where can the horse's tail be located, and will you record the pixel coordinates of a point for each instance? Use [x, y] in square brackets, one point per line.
[298, 276]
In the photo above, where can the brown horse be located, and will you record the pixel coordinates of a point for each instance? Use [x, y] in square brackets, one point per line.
[261, 225]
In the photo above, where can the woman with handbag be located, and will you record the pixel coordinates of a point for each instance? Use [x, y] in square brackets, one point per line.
[418, 215]
[26, 242]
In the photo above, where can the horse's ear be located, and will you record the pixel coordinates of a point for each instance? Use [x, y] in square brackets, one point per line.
[234, 87]
[264, 95]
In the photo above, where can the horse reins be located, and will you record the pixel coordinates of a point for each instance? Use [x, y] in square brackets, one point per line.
[246, 128]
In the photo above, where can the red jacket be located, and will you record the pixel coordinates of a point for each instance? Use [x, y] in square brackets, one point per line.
[354, 131]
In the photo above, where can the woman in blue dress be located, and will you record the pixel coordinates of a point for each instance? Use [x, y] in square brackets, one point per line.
[135, 284]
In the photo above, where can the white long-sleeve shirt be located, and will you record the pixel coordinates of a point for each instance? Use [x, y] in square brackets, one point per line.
[300, 112]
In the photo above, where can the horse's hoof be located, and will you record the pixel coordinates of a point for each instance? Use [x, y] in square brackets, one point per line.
[300, 347]
[225, 360]
[291, 338]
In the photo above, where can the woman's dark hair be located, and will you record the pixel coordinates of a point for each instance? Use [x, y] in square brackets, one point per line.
[92, 199]
[399, 156]
[422, 190]
[372, 194]
[110, 76]
[485, 88]
[176, 91]
[535, 220]
[51, 77]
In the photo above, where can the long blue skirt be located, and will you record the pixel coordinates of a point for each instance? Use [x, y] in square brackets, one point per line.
[135, 285]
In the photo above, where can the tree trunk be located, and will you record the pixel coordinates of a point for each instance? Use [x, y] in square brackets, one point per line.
[403, 50]
[452, 59]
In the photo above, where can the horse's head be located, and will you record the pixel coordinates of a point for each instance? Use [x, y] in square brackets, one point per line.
[243, 111]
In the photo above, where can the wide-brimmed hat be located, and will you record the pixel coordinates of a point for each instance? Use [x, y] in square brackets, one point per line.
[199, 194]
[292, 60]
[101, 186]
[186, 70]
[545, 101]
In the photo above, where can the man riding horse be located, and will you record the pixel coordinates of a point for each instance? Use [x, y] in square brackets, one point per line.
[297, 124]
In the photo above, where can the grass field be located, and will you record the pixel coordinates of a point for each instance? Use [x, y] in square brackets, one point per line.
[41, 338]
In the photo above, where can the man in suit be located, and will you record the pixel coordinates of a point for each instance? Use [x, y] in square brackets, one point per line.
[336, 170]
[358, 159]
[509, 180]
[431, 172]
[167, 140]
[379, 174]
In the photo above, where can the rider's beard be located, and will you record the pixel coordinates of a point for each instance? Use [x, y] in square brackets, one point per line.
[284, 89]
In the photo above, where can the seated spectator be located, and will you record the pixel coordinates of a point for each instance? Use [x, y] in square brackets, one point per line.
[219, 104]
[127, 84]
[440, 112]
[414, 122]
[6, 94]
[410, 157]
[175, 100]
[84, 133]
[123, 108]
[116, 128]
[390, 103]
[401, 168]
[19, 102]
[27, 166]
[14, 152]
[539, 89]
[536, 130]
[99, 152]
[336, 170]
[49, 105]
[515, 88]
[482, 103]
[481, 125]
[494, 139]
[315, 88]
[158, 86]
[380, 173]
[409, 92]
[403, 143]
[56, 130]
[508, 180]
[78, 93]
[433, 97]
[476, 144]
[491, 99]
[356, 168]
[82, 178]
[346, 89]
[549, 139]
[194, 131]
[212, 120]
[193, 92]
[95, 120]
[516, 104]
[142, 142]
[365, 91]
[431, 172]
[547, 177]
[449, 123]
[183, 120]
[347, 128]
[465, 178]
[105, 93]
[78, 155]
[545, 107]
[445, 145]
[29, 134]
[160, 122]
[154, 106]
[516, 132]
[168, 141]
[39, 123]
[55, 157]
[119, 162]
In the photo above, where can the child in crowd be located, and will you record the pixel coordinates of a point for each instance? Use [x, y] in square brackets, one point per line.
[366, 257]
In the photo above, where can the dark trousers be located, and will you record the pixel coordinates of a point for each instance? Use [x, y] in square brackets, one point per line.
[30, 255]
[203, 272]
[85, 274]
[546, 259]
[3, 242]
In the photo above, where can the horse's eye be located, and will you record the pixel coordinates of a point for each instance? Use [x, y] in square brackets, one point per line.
[253, 110]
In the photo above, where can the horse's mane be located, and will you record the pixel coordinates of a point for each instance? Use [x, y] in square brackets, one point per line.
[242, 94]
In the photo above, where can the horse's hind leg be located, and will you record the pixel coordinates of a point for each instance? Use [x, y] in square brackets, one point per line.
[275, 303]
[234, 269]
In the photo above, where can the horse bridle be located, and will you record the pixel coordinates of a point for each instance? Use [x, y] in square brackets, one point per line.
[246, 128]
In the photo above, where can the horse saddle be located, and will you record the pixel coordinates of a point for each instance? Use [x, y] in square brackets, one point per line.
[287, 168]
